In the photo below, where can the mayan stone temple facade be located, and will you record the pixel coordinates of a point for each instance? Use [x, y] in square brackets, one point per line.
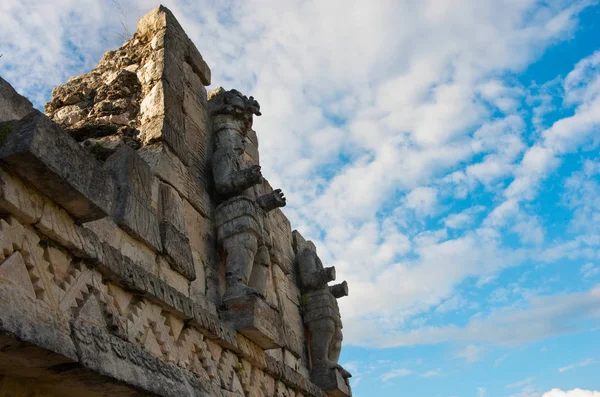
[142, 253]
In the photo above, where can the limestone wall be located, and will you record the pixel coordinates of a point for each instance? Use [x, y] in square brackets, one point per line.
[109, 264]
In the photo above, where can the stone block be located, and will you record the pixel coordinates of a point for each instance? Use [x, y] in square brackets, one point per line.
[12, 105]
[199, 139]
[210, 325]
[332, 382]
[106, 230]
[200, 231]
[162, 119]
[169, 168]
[172, 277]
[177, 246]
[198, 64]
[293, 326]
[132, 209]
[172, 232]
[198, 286]
[251, 351]
[255, 319]
[162, 19]
[282, 252]
[171, 207]
[59, 226]
[41, 153]
[19, 200]
[194, 83]
[251, 146]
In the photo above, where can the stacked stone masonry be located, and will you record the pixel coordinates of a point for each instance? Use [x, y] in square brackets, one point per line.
[141, 250]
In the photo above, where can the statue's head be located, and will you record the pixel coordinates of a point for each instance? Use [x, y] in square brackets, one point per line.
[253, 106]
[234, 103]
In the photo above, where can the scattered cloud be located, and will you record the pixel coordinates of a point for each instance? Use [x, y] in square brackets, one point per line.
[471, 353]
[521, 383]
[581, 364]
[572, 393]
[432, 373]
[395, 374]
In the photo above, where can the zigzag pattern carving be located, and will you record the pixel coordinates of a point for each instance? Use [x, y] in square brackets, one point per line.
[67, 287]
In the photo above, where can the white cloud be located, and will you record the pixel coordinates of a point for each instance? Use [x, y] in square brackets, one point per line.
[535, 318]
[430, 374]
[471, 353]
[454, 303]
[581, 364]
[589, 270]
[395, 374]
[462, 219]
[422, 200]
[527, 391]
[521, 383]
[571, 393]
[530, 231]
[582, 195]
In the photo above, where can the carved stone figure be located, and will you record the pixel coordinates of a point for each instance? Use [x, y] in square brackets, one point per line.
[321, 314]
[240, 218]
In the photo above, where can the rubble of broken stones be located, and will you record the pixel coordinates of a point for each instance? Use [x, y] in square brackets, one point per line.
[135, 222]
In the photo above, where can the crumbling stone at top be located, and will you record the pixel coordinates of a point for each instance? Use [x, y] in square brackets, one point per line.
[138, 94]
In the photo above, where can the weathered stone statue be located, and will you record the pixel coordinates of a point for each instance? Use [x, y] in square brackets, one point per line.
[321, 316]
[240, 218]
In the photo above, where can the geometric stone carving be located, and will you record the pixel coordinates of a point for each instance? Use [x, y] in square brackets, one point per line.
[14, 271]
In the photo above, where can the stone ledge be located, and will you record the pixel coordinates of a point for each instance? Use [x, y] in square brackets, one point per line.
[97, 350]
[128, 363]
[255, 319]
[12, 105]
[291, 378]
[40, 152]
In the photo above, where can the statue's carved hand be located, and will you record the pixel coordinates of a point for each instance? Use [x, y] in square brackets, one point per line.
[270, 201]
[254, 174]
[279, 198]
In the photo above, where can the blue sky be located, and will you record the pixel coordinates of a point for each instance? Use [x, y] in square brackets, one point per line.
[443, 155]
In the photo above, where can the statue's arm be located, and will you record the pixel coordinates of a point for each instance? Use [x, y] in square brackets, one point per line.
[312, 273]
[270, 201]
[230, 181]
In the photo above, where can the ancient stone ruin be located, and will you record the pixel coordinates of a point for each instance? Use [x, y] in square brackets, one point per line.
[142, 251]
